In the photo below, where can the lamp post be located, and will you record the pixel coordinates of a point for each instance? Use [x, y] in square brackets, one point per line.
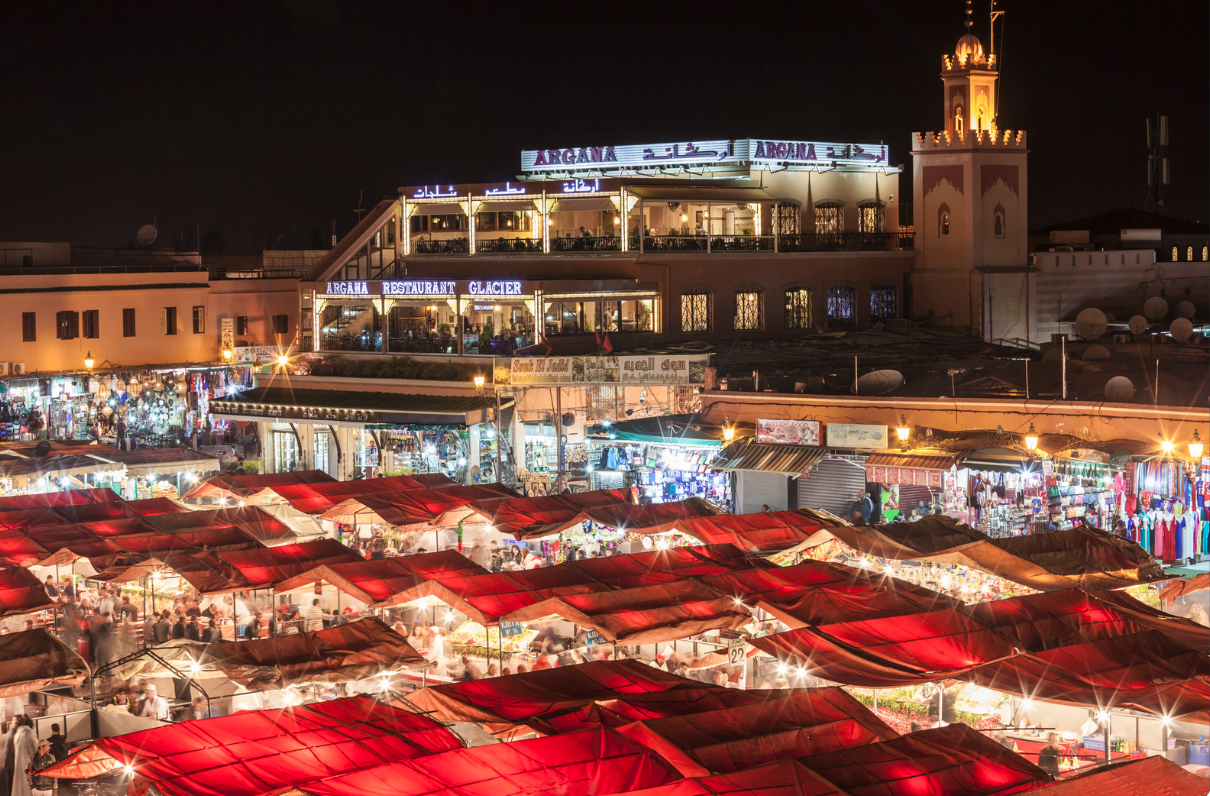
[88, 360]
[1031, 438]
[1196, 447]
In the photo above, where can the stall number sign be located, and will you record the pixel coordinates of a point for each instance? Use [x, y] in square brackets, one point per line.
[510, 629]
[735, 652]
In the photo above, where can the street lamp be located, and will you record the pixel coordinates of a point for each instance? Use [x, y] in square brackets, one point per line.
[283, 360]
[227, 354]
[903, 431]
[88, 360]
[729, 433]
[1165, 445]
[1195, 446]
[479, 380]
[1031, 438]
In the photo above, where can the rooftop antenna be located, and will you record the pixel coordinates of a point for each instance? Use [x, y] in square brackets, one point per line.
[991, 52]
[1158, 167]
[359, 209]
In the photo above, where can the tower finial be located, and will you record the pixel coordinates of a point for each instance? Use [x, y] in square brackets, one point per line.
[969, 13]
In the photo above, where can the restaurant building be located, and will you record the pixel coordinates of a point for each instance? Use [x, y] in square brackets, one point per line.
[703, 240]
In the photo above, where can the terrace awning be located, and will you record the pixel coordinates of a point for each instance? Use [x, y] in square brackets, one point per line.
[285, 404]
[750, 456]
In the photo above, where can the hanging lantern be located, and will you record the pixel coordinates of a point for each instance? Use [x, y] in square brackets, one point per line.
[133, 387]
[159, 384]
[103, 393]
[93, 386]
[180, 388]
[107, 410]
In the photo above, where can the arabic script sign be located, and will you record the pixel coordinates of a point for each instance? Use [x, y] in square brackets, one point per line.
[788, 432]
[734, 151]
[853, 435]
[602, 370]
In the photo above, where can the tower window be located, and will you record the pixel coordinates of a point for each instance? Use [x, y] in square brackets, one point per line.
[999, 225]
[1189, 255]
[1205, 254]
[945, 223]
[1174, 254]
[958, 120]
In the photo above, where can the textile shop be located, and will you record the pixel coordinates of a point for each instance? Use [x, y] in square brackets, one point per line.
[659, 473]
[1166, 503]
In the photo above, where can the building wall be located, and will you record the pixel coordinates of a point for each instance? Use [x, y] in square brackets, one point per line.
[148, 294]
[13, 254]
[259, 300]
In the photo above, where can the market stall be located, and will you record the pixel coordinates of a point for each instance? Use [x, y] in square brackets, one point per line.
[1166, 506]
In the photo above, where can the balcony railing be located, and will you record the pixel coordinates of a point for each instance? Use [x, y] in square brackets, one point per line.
[508, 246]
[845, 242]
[674, 243]
[450, 246]
[602, 244]
[742, 243]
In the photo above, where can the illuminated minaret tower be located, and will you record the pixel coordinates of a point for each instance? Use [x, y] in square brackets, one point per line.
[969, 202]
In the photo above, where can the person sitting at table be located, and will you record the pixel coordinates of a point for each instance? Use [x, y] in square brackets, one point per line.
[1048, 757]
[213, 633]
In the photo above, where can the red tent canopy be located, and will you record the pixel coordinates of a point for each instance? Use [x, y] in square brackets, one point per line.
[540, 517]
[413, 507]
[515, 515]
[318, 497]
[1154, 775]
[260, 752]
[72, 497]
[245, 486]
[587, 763]
[21, 592]
[757, 533]
[389, 581]
[815, 593]
[735, 738]
[517, 698]
[264, 568]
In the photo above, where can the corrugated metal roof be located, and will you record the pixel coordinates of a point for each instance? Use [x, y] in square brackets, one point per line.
[916, 461]
[760, 457]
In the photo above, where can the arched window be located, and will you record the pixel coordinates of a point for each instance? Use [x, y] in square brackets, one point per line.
[799, 303]
[945, 223]
[1174, 254]
[829, 217]
[1189, 254]
[883, 303]
[958, 120]
[842, 306]
[999, 225]
[749, 309]
[1206, 254]
[697, 311]
[871, 217]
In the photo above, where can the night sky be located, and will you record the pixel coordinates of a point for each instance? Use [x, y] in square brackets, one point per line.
[264, 121]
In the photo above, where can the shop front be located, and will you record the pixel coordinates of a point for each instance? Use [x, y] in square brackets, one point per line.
[914, 485]
[354, 434]
[1166, 506]
[1002, 492]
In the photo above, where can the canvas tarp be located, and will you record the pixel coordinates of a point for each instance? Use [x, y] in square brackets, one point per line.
[410, 507]
[1155, 776]
[21, 592]
[763, 532]
[1178, 588]
[32, 660]
[319, 497]
[263, 568]
[261, 752]
[1085, 557]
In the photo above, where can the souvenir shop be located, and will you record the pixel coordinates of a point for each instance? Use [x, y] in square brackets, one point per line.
[1005, 493]
[1082, 493]
[661, 472]
[152, 409]
[445, 449]
[1167, 507]
[540, 471]
[909, 480]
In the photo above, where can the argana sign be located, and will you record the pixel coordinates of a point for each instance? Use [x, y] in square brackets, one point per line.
[602, 370]
[736, 151]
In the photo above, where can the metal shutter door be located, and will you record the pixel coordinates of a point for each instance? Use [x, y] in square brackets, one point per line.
[834, 485]
[757, 489]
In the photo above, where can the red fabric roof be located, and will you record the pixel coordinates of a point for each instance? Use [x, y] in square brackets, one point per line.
[72, 497]
[1157, 776]
[735, 738]
[587, 763]
[314, 498]
[416, 506]
[762, 532]
[263, 568]
[517, 698]
[267, 751]
[244, 486]
[1085, 557]
[21, 592]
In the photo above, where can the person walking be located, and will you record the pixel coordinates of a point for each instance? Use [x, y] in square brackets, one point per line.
[38, 784]
[313, 619]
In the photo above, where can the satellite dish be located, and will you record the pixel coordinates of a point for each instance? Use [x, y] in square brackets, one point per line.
[1185, 309]
[1138, 324]
[1119, 389]
[880, 382]
[1155, 308]
[1181, 330]
[146, 234]
[1091, 323]
[1096, 352]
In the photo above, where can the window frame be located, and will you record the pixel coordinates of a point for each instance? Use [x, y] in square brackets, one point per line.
[836, 320]
[128, 322]
[750, 295]
[90, 324]
[199, 319]
[879, 216]
[168, 320]
[874, 295]
[831, 221]
[284, 326]
[29, 327]
[689, 301]
[793, 314]
[67, 325]
[241, 324]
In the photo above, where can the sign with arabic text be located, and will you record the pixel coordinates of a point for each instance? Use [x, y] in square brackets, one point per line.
[788, 432]
[853, 435]
[905, 476]
[736, 151]
[664, 369]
